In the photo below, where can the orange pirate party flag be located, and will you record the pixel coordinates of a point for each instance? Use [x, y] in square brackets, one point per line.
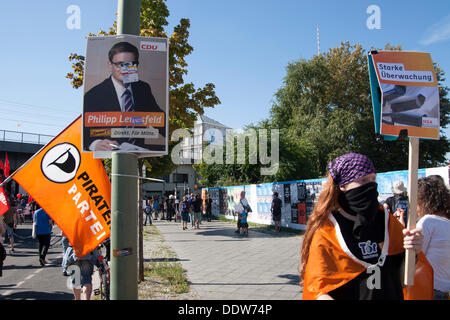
[72, 187]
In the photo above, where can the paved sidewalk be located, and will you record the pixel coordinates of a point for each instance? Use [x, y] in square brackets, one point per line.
[224, 266]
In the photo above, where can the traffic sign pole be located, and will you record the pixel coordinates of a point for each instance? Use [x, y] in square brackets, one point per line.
[124, 194]
[124, 191]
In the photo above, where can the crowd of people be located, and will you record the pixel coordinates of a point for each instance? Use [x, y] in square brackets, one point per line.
[348, 233]
[189, 210]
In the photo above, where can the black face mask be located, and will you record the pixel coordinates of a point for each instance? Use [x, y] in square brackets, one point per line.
[362, 202]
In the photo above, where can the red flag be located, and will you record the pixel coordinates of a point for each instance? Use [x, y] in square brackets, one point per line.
[30, 199]
[4, 204]
[6, 167]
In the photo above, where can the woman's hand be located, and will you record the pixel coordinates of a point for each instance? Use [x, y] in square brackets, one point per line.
[413, 239]
[324, 297]
[400, 215]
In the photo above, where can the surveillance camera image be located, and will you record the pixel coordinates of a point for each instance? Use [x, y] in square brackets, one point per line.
[410, 105]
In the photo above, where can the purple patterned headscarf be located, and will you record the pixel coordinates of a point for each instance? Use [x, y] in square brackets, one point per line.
[350, 167]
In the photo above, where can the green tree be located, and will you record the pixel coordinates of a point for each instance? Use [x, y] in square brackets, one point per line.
[294, 163]
[325, 106]
[324, 110]
[185, 100]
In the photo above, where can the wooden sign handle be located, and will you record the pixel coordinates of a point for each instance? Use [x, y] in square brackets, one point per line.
[413, 167]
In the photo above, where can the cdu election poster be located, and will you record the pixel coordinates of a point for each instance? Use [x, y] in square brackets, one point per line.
[125, 103]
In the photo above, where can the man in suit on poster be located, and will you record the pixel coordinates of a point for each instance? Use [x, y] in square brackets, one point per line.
[116, 95]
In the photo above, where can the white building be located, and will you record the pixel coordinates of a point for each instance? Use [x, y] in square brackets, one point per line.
[184, 178]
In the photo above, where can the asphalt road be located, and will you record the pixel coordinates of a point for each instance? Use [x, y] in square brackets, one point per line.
[23, 276]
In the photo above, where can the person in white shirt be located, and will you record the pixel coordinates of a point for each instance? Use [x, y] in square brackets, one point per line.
[433, 209]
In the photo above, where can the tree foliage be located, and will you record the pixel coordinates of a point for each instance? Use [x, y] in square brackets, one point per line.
[293, 162]
[325, 106]
[185, 100]
[324, 110]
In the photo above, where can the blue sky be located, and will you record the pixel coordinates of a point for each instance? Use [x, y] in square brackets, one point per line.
[243, 47]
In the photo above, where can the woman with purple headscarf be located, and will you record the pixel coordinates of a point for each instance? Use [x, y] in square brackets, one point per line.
[353, 249]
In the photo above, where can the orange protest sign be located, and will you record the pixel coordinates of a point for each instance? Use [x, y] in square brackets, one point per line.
[409, 93]
[72, 187]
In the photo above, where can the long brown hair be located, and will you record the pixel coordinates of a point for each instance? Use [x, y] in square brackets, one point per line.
[327, 202]
[433, 196]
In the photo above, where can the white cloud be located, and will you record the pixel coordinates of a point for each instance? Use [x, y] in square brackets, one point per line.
[440, 31]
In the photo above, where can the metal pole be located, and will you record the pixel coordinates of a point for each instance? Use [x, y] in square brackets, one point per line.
[124, 191]
[124, 207]
[128, 17]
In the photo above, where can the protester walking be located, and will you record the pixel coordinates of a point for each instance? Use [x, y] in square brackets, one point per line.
[243, 222]
[176, 208]
[148, 212]
[156, 208]
[184, 208]
[164, 208]
[86, 266]
[191, 212]
[161, 209]
[276, 211]
[170, 207]
[433, 210]
[197, 209]
[42, 229]
[349, 236]
[65, 245]
[208, 205]
[242, 209]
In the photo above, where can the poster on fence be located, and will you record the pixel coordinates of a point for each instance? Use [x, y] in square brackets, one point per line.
[303, 197]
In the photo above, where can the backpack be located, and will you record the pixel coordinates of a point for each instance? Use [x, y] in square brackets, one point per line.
[184, 207]
[246, 208]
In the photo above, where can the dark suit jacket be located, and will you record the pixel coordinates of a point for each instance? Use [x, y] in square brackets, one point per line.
[103, 98]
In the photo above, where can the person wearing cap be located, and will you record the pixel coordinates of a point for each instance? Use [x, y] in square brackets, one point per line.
[353, 249]
[398, 203]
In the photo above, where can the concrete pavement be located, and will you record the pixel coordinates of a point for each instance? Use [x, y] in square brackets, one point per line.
[225, 266]
[23, 276]
[220, 264]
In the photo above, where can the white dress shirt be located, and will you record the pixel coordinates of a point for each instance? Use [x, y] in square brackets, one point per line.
[120, 91]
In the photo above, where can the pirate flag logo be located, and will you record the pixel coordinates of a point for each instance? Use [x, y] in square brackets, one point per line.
[60, 164]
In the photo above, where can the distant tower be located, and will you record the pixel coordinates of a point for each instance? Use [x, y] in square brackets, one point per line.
[318, 41]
